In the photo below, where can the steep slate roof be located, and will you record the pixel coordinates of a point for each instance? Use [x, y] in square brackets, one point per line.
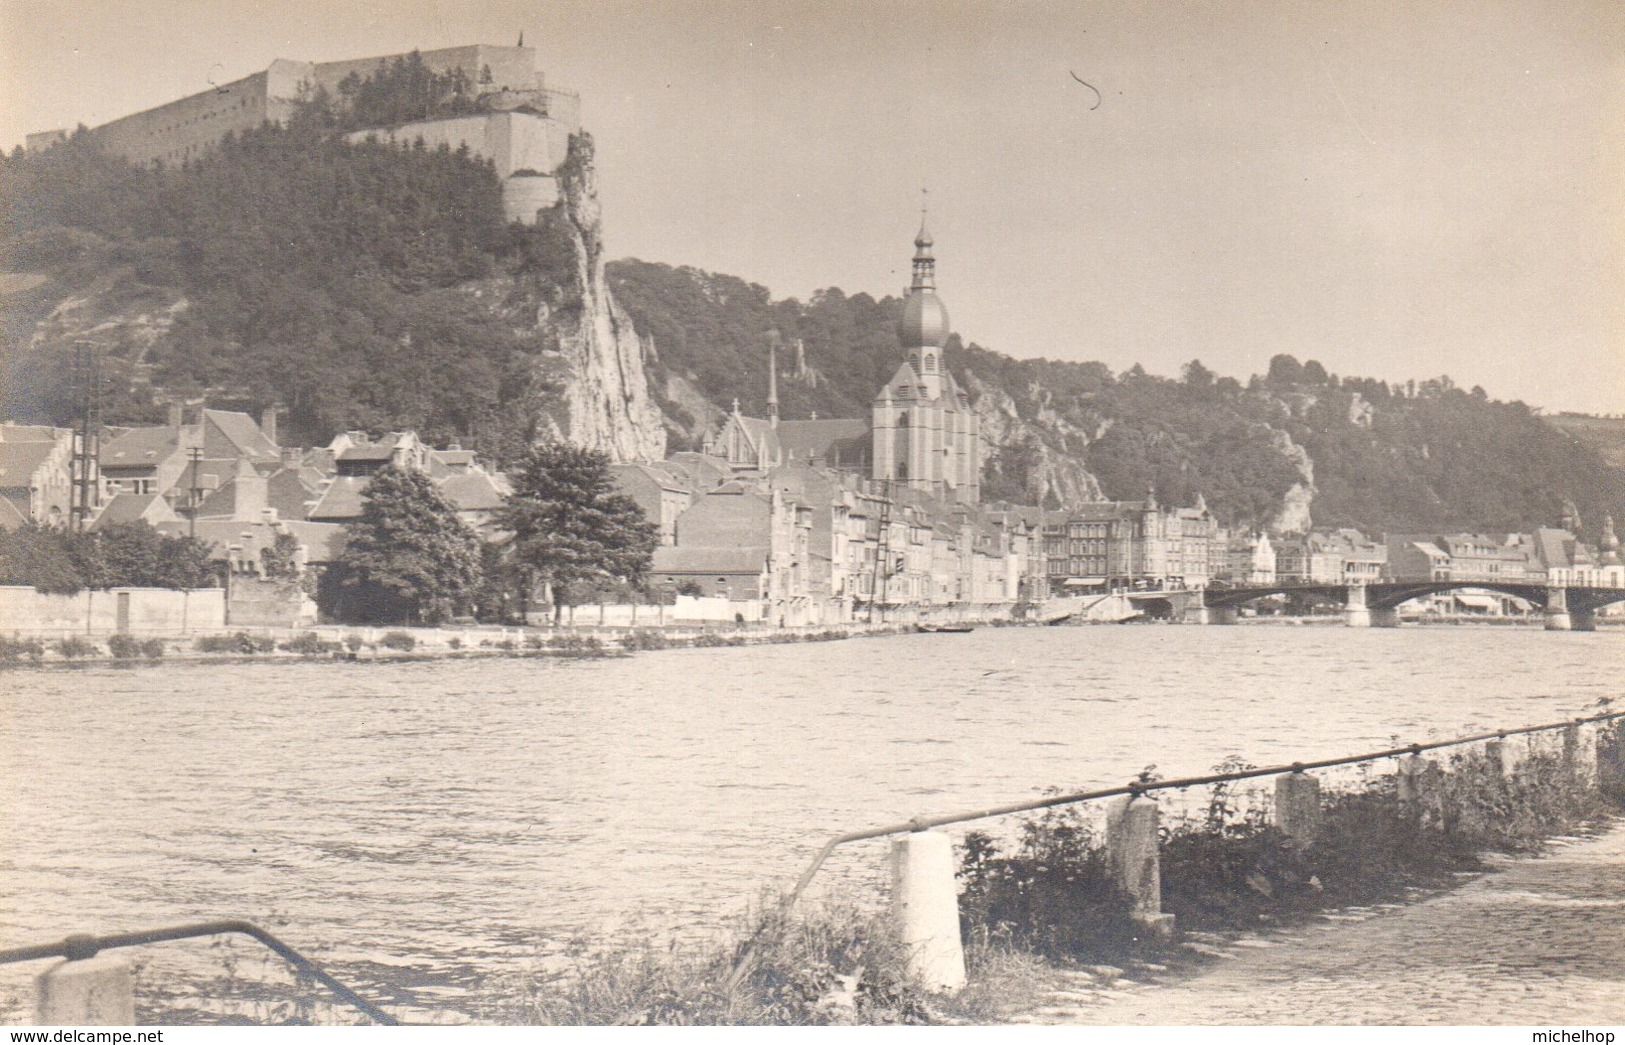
[473, 492]
[140, 447]
[134, 507]
[369, 452]
[842, 439]
[241, 432]
[290, 490]
[720, 561]
[342, 499]
[450, 462]
[704, 470]
[19, 462]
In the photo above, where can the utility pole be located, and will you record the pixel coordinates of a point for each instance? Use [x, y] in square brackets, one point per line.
[878, 586]
[87, 367]
[196, 454]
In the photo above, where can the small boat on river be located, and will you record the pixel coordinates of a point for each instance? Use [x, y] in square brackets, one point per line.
[947, 629]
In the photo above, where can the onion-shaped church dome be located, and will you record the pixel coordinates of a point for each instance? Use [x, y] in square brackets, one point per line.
[924, 320]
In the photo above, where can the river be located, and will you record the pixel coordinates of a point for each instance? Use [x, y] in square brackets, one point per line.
[421, 825]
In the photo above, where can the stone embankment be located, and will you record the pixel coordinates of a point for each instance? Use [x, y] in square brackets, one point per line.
[335, 642]
[1535, 941]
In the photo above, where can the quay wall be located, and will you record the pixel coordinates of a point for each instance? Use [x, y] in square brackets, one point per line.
[136, 611]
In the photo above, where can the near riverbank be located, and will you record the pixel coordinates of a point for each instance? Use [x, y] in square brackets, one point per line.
[1537, 940]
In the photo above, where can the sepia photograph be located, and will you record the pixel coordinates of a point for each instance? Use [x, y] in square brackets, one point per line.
[812, 513]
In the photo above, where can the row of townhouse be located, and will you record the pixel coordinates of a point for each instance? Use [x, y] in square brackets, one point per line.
[1549, 555]
[803, 544]
[1121, 545]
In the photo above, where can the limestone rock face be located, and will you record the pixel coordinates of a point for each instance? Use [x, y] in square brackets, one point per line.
[1051, 477]
[1294, 514]
[607, 405]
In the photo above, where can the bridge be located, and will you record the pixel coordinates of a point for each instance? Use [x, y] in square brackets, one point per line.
[1376, 604]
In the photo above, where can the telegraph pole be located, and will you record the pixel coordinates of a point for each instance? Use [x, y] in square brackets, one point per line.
[196, 454]
[87, 365]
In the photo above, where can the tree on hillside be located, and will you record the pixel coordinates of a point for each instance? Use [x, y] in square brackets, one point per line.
[407, 560]
[570, 528]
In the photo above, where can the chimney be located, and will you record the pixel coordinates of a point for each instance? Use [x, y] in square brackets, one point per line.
[268, 422]
[176, 415]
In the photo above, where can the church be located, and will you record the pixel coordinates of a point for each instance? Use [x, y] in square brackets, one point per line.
[921, 433]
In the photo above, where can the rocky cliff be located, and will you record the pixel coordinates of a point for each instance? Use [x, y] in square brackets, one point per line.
[606, 403]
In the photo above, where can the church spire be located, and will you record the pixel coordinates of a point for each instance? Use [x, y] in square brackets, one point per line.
[925, 266]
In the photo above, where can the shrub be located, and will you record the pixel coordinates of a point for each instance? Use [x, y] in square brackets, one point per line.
[398, 640]
[237, 642]
[454, 642]
[74, 647]
[838, 965]
[579, 645]
[354, 642]
[1054, 894]
[153, 649]
[124, 647]
[535, 642]
[17, 649]
[310, 644]
[644, 639]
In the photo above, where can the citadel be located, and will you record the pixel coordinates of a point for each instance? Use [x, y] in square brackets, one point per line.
[523, 128]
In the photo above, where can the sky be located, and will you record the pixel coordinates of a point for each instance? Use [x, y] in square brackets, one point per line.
[1396, 189]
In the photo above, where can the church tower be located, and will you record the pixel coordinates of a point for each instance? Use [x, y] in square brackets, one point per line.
[925, 434]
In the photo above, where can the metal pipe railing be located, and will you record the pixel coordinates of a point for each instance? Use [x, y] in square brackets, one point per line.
[82, 946]
[1137, 787]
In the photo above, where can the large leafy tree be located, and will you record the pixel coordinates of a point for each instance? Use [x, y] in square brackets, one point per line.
[570, 529]
[407, 559]
[121, 555]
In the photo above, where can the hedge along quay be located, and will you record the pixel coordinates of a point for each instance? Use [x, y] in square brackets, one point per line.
[1133, 789]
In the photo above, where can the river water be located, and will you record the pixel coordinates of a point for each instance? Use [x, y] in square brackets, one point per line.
[420, 826]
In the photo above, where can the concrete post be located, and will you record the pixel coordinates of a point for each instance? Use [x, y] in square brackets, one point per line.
[925, 907]
[1437, 810]
[1580, 753]
[1297, 808]
[1410, 784]
[1356, 614]
[1501, 756]
[1132, 853]
[93, 992]
[1557, 609]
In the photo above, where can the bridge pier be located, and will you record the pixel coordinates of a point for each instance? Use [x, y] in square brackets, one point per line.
[1385, 618]
[1356, 614]
[1197, 611]
[1583, 619]
[1557, 610]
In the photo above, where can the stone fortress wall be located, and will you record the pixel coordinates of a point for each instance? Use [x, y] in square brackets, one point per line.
[526, 138]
